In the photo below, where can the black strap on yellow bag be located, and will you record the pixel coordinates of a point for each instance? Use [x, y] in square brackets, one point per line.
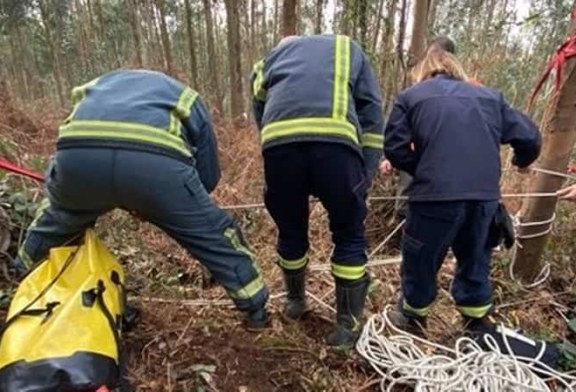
[64, 324]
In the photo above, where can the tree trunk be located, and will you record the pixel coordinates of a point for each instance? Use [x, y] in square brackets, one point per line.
[289, 17]
[134, 23]
[318, 21]
[154, 34]
[264, 28]
[54, 52]
[212, 60]
[347, 17]
[253, 24]
[559, 134]
[93, 29]
[404, 178]
[432, 10]
[16, 65]
[81, 34]
[201, 50]
[419, 30]
[191, 45]
[160, 5]
[235, 58]
[276, 22]
[387, 71]
[101, 23]
[377, 28]
[401, 35]
[362, 17]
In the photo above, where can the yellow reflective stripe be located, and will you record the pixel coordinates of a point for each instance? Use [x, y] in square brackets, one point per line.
[475, 311]
[373, 140]
[341, 77]
[309, 126]
[44, 204]
[175, 127]
[121, 130]
[422, 312]
[293, 264]
[257, 284]
[348, 272]
[181, 111]
[78, 95]
[258, 86]
[185, 102]
[337, 73]
[234, 239]
[250, 290]
[28, 263]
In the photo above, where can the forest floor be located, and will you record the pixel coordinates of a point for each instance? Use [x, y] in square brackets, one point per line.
[189, 338]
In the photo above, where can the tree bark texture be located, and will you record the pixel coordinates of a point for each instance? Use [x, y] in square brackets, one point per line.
[212, 60]
[559, 137]
[191, 45]
[235, 58]
[289, 17]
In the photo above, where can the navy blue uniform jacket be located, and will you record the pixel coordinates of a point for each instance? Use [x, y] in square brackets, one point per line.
[447, 133]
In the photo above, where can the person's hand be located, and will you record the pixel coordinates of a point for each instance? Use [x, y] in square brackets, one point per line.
[568, 193]
[385, 168]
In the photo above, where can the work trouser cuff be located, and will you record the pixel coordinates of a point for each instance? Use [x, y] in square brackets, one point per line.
[476, 312]
[292, 265]
[411, 311]
[348, 272]
[253, 303]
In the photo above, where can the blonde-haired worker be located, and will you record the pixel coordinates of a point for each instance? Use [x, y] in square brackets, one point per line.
[456, 130]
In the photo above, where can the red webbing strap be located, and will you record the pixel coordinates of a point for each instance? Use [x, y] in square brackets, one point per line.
[564, 52]
[4, 164]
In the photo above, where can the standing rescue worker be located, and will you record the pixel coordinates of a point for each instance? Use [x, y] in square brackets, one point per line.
[318, 107]
[142, 141]
[457, 129]
[404, 179]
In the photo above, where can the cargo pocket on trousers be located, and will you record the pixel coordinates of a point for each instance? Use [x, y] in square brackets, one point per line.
[203, 209]
[50, 174]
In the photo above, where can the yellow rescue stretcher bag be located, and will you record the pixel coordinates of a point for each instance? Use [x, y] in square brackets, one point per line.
[64, 323]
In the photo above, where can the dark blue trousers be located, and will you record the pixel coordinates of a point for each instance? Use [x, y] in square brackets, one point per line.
[85, 183]
[335, 174]
[431, 229]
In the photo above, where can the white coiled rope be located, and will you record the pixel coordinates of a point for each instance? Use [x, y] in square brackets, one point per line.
[398, 357]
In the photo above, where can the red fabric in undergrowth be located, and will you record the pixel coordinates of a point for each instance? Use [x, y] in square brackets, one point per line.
[4, 164]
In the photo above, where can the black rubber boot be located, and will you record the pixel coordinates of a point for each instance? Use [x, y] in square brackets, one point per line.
[478, 326]
[295, 282]
[413, 324]
[350, 299]
[257, 320]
